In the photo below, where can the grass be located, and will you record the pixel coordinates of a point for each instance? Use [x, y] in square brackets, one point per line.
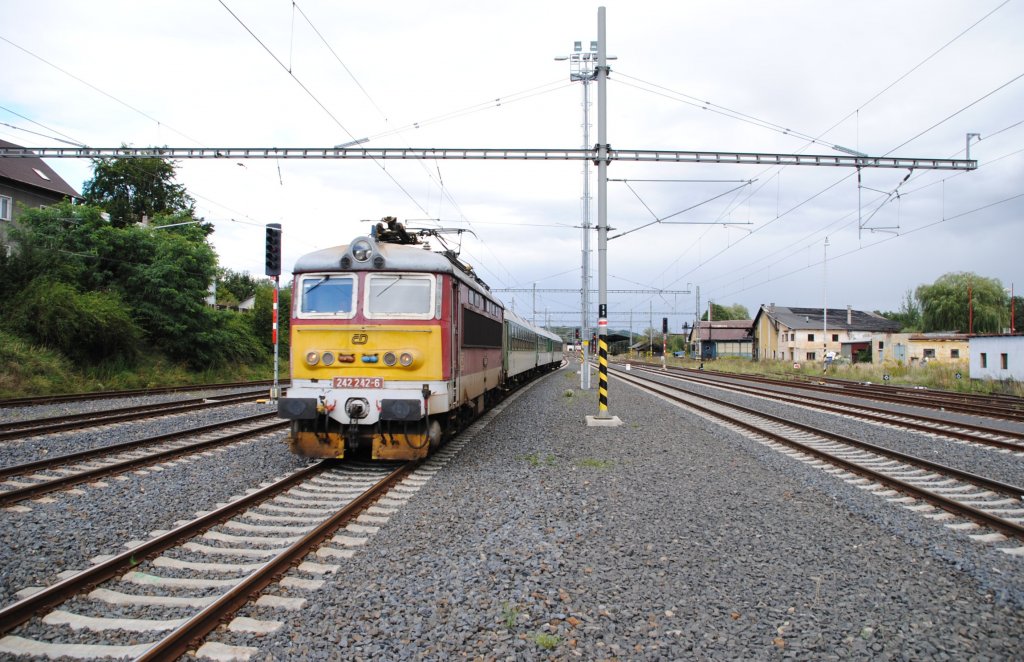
[509, 615]
[593, 463]
[934, 375]
[26, 370]
[546, 641]
[536, 460]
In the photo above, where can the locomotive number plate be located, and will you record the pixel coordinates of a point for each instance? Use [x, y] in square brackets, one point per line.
[358, 382]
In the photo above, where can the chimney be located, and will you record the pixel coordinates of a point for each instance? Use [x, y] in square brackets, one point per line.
[849, 316]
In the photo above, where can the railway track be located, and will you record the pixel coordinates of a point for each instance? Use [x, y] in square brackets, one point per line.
[35, 479]
[40, 426]
[993, 508]
[169, 592]
[32, 400]
[1005, 407]
[973, 433]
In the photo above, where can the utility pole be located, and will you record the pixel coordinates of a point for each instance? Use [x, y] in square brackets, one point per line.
[824, 316]
[581, 68]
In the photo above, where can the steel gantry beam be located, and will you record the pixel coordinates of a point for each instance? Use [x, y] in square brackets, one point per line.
[484, 153]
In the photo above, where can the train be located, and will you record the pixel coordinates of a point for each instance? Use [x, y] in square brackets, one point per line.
[395, 347]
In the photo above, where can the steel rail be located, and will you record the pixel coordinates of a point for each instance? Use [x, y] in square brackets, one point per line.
[889, 417]
[180, 641]
[113, 449]
[963, 403]
[992, 521]
[102, 395]
[17, 613]
[39, 426]
[20, 494]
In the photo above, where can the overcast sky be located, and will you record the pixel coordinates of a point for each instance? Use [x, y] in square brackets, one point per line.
[908, 79]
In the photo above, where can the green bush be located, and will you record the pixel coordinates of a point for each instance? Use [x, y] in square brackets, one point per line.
[226, 338]
[90, 327]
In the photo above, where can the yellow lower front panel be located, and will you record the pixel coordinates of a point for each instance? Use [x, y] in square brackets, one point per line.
[384, 447]
[400, 446]
[317, 444]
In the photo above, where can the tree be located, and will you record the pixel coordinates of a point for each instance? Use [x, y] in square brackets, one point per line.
[947, 304]
[158, 276]
[909, 314]
[733, 312]
[234, 287]
[130, 189]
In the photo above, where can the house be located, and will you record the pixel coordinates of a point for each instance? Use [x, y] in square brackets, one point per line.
[997, 357]
[717, 339]
[806, 334]
[919, 348]
[27, 183]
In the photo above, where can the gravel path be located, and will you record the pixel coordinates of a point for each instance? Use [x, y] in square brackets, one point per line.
[664, 538]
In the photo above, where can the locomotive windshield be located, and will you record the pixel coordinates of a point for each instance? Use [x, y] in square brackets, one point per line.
[399, 295]
[328, 295]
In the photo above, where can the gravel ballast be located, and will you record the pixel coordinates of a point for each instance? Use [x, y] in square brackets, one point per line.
[664, 538]
[65, 530]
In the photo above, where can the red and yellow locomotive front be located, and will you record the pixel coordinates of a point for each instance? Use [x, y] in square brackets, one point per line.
[373, 327]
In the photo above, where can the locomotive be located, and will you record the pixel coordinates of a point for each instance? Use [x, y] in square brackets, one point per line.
[396, 347]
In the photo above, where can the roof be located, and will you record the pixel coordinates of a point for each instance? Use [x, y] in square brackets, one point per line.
[813, 318]
[724, 330]
[385, 256]
[34, 172]
[940, 337]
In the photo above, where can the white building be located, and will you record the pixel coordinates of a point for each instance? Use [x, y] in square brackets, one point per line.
[997, 357]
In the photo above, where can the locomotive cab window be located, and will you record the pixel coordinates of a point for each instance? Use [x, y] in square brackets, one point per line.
[390, 295]
[327, 295]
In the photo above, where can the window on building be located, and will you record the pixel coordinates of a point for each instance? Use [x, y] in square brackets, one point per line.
[811, 356]
[881, 345]
[810, 337]
[5, 208]
[984, 360]
[929, 353]
[835, 337]
[954, 353]
[1004, 361]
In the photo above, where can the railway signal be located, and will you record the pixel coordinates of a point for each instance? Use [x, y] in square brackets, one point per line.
[273, 259]
[273, 249]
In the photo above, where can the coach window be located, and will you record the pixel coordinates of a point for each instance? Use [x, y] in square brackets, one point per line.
[327, 295]
[399, 295]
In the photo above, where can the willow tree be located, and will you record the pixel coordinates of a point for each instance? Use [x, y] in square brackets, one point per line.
[950, 303]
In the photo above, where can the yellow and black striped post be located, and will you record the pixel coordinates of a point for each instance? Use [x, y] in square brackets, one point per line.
[602, 362]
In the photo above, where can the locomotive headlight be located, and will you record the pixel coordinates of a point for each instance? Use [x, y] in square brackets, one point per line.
[361, 250]
[328, 358]
[406, 359]
[312, 358]
[390, 358]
